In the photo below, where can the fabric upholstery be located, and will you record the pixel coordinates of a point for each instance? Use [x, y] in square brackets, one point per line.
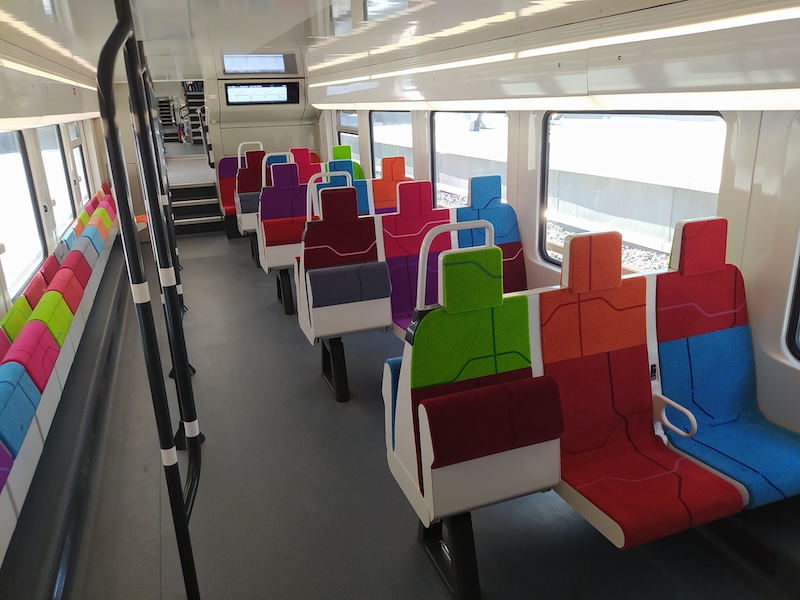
[35, 289]
[384, 189]
[51, 267]
[86, 247]
[306, 168]
[279, 232]
[16, 318]
[593, 335]
[349, 283]
[53, 311]
[76, 262]
[5, 344]
[95, 237]
[37, 351]
[19, 399]
[69, 287]
[226, 178]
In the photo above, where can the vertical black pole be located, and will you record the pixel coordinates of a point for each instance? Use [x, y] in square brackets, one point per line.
[141, 297]
[166, 269]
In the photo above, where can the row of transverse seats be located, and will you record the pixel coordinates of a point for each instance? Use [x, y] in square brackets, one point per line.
[38, 339]
[397, 238]
[615, 353]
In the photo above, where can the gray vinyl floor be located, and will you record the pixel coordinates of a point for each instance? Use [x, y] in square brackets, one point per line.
[187, 165]
[296, 499]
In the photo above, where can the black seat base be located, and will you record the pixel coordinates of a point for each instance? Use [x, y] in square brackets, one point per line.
[454, 559]
[334, 368]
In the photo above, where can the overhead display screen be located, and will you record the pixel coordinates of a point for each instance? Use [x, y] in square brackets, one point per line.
[262, 93]
[254, 63]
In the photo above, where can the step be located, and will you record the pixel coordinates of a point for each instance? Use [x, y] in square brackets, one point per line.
[199, 225]
[195, 191]
[195, 202]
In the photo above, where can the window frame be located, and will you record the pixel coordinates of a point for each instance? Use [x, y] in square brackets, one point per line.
[545, 162]
[372, 136]
[67, 176]
[37, 215]
[434, 173]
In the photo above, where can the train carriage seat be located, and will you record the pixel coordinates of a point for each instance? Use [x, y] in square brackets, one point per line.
[616, 471]
[68, 239]
[66, 283]
[362, 186]
[5, 344]
[343, 287]
[16, 317]
[62, 249]
[305, 165]
[346, 153]
[83, 217]
[86, 247]
[99, 223]
[467, 424]
[95, 237]
[37, 351]
[109, 209]
[384, 188]
[19, 399]
[35, 289]
[282, 214]
[106, 187]
[102, 214]
[76, 262]
[77, 226]
[50, 267]
[485, 202]
[706, 359]
[54, 312]
[226, 180]
[92, 205]
[403, 233]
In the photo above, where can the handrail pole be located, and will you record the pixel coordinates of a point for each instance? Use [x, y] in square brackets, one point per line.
[167, 271]
[141, 296]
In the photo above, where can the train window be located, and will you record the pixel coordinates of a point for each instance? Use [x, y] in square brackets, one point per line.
[377, 9]
[390, 132]
[635, 173]
[341, 17]
[55, 169]
[80, 180]
[19, 226]
[466, 145]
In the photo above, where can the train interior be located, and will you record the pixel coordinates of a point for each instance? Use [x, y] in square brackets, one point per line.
[454, 299]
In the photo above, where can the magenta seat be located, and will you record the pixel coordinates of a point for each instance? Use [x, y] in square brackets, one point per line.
[69, 287]
[35, 290]
[36, 350]
[76, 262]
[50, 268]
[5, 344]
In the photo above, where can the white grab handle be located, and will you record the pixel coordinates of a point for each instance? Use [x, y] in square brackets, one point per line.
[311, 190]
[660, 404]
[424, 249]
[289, 159]
[239, 152]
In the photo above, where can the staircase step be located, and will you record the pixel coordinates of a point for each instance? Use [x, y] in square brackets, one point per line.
[179, 193]
[196, 202]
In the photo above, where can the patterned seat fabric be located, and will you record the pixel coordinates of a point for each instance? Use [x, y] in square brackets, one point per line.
[594, 344]
[706, 357]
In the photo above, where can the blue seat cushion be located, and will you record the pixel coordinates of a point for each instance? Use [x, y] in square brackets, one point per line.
[713, 375]
[94, 236]
[19, 399]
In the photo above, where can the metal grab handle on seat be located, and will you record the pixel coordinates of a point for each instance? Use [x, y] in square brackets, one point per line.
[427, 242]
[239, 152]
[311, 195]
[661, 403]
[264, 160]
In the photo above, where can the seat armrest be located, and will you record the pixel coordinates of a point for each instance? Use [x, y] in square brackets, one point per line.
[660, 404]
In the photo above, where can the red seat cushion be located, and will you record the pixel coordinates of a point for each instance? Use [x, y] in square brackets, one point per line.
[35, 289]
[70, 288]
[279, 232]
[76, 262]
[50, 268]
[36, 350]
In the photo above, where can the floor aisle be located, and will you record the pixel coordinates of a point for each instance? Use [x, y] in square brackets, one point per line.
[296, 499]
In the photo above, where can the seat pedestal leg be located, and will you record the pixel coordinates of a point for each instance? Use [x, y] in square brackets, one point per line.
[285, 298]
[254, 249]
[454, 559]
[231, 231]
[334, 369]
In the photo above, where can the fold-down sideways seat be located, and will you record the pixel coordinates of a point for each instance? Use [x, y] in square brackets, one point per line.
[467, 424]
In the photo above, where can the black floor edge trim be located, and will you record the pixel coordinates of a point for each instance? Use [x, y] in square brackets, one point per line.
[40, 551]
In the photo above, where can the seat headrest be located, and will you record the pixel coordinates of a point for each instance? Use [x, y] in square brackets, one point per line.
[253, 158]
[345, 166]
[106, 187]
[592, 262]
[302, 156]
[285, 175]
[471, 279]
[699, 246]
[415, 198]
[339, 205]
[393, 168]
[485, 191]
[342, 153]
